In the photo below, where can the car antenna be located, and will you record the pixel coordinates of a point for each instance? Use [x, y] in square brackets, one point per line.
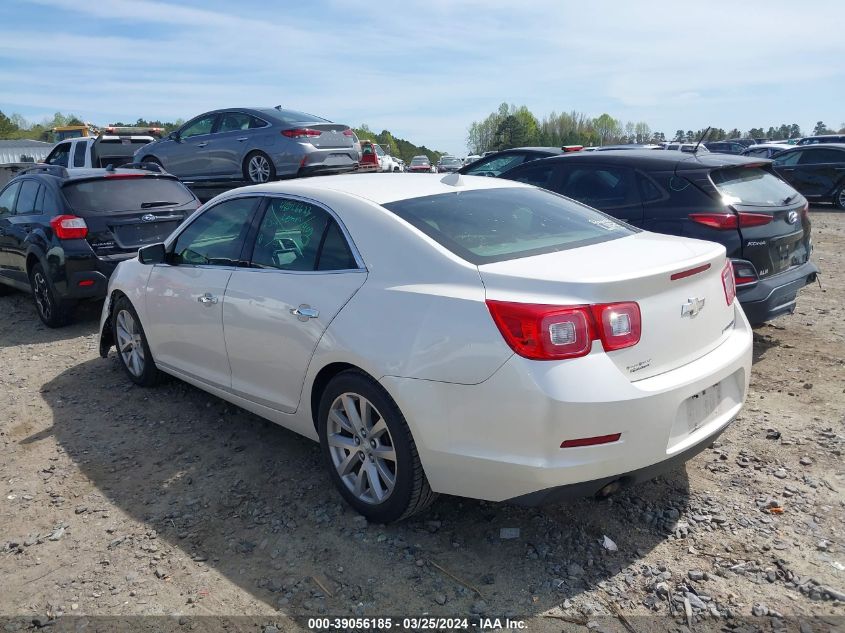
[701, 138]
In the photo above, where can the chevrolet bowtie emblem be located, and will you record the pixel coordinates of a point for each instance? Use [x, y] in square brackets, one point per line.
[692, 307]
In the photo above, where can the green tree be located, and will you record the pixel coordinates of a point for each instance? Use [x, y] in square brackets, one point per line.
[7, 127]
[821, 128]
[607, 128]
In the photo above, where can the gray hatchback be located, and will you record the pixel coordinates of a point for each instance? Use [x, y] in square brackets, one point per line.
[254, 144]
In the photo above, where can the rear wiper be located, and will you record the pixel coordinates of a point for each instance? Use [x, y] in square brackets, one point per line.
[157, 203]
[789, 199]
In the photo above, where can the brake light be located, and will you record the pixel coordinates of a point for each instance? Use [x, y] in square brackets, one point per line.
[301, 132]
[689, 272]
[728, 282]
[69, 227]
[727, 221]
[348, 132]
[550, 332]
[620, 324]
[124, 176]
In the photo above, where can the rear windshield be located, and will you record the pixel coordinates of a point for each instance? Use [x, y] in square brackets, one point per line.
[492, 225]
[292, 116]
[753, 186]
[419, 161]
[449, 161]
[106, 195]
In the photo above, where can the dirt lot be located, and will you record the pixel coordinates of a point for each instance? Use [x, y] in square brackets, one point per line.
[123, 501]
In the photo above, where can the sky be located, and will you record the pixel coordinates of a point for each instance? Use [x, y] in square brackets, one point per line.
[426, 70]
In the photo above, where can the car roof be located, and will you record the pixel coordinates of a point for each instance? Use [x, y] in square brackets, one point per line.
[376, 188]
[70, 174]
[840, 146]
[662, 159]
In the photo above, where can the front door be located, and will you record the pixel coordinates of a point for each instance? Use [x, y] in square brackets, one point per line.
[302, 272]
[185, 296]
[188, 157]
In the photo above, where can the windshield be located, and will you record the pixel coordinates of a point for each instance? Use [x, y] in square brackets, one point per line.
[449, 161]
[491, 225]
[753, 186]
[106, 195]
[420, 161]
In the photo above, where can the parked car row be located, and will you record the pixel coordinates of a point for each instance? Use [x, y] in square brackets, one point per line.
[603, 298]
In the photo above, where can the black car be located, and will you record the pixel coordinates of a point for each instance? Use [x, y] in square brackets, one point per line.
[817, 171]
[725, 147]
[741, 203]
[498, 162]
[824, 138]
[62, 232]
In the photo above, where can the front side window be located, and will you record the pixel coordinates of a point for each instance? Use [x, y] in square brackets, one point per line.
[216, 237]
[298, 236]
[7, 198]
[199, 126]
[60, 155]
[788, 158]
[490, 225]
[603, 187]
[496, 165]
[26, 198]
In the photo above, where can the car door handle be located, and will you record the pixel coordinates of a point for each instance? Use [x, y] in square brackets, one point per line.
[207, 299]
[243, 138]
[203, 144]
[305, 312]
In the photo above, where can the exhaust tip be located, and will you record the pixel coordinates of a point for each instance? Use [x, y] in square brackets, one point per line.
[609, 489]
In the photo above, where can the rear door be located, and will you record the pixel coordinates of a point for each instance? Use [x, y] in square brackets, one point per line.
[302, 271]
[25, 217]
[820, 170]
[236, 135]
[7, 207]
[184, 298]
[127, 211]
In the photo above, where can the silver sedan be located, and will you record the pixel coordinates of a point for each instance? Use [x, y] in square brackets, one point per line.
[254, 144]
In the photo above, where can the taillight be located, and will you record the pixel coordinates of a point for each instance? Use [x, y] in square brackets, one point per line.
[728, 282]
[621, 324]
[726, 221]
[550, 332]
[69, 227]
[744, 272]
[348, 132]
[301, 132]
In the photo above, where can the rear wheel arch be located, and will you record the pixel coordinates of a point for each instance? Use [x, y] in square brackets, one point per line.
[322, 380]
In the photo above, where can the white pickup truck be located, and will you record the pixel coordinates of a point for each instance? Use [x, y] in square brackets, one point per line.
[100, 151]
[386, 161]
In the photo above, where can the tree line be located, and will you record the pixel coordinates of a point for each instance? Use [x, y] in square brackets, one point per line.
[397, 147]
[512, 126]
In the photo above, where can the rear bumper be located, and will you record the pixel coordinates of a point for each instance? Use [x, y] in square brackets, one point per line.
[501, 439]
[776, 295]
[84, 276]
[327, 161]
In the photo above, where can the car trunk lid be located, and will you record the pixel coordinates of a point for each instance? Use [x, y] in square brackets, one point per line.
[676, 282]
[332, 136]
[128, 211]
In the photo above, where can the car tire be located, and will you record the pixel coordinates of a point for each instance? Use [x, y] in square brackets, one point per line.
[839, 198]
[132, 347]
[371, 458]
[53, 312]
[258, 168]
[152, 159]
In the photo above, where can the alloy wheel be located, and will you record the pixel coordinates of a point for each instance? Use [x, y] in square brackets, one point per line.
[129, 342]
[842, 198]
[361, 448]
[259, 169]
[41, 292]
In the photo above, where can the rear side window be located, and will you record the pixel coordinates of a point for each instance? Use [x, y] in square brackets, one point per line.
[107, 195]
[79, 154]
[821, 155]
[491, 225]
[26, 198]
[232, 121]
[752, 186]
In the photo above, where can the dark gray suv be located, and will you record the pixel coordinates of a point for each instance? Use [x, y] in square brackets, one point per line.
[253, 144]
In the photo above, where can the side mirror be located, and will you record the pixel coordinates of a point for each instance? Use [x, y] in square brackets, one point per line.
[174, 136]
[152, 254]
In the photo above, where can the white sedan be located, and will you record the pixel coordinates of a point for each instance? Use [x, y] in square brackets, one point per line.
[461, 335]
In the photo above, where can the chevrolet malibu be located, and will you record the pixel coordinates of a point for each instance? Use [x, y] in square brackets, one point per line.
[460, 335]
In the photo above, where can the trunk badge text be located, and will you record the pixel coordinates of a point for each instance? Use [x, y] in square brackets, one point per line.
[792, 218]
[692, 307]
[149, 217]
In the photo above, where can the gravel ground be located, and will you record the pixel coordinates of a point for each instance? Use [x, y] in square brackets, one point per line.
[122, 501]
